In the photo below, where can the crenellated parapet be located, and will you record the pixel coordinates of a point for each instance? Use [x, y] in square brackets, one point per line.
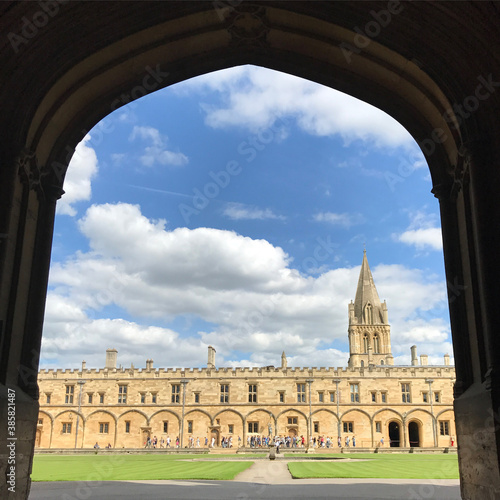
[248, 372]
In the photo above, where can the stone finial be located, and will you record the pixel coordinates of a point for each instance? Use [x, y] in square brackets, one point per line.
[284, 362]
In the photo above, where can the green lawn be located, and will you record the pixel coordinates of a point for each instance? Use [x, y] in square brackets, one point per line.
[130, 467]
[380, 466]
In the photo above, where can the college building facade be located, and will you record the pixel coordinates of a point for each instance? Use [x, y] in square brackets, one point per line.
[372, 400]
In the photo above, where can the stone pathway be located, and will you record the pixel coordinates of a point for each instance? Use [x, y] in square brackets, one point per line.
[266, 472]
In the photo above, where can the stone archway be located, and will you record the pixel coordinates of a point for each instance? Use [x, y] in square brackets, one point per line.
[442, 88]
[394, 432]
[414, 434]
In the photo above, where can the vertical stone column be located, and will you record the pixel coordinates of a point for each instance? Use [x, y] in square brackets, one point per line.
[27, 227]
[470, 216]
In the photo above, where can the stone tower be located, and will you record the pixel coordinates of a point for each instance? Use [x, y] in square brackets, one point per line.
[369, 330]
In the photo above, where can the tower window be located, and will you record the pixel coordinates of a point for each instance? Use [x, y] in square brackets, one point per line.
[376, 344]
[176, 391]
[405, 392]
[365, 343]
[252, 393]
[122, 394]
[70, 390]
[301, 393]
[354, 393]
[224, 393]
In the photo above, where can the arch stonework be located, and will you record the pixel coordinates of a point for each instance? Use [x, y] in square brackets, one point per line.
[441, 87]
[137, 419]
[45, 431]
[109, 434]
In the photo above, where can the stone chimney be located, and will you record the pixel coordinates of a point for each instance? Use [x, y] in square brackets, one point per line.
[111, 357]
[414, 358]
[151, 364]
[84, 364]
[424, 359]
[211, 358]
[447, 359]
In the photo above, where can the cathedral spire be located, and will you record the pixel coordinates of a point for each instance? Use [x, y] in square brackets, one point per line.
[367, 307]
[369, 331]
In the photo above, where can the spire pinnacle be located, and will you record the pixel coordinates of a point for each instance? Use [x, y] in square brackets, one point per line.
[367, 306]
[284, 362]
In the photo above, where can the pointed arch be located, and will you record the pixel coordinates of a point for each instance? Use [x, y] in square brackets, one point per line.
[133, 410]
[228, 410]
[389, 410]
[164, 410]
[201, 410]
[76, 412]
[269, 412]
[103, 411]
[368, 313]
[366, 342]
[359, 410]
[293, 410]
[327, 410]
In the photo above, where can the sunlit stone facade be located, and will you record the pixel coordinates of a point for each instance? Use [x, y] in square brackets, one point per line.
[371, 400]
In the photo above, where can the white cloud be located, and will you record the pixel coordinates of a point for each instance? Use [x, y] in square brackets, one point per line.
[423, 238]
[244, 292]
[256, 98]
[156, 152]
[344, 219]
[239, 211]
[74, 337]
[77, 183]
[422, 233]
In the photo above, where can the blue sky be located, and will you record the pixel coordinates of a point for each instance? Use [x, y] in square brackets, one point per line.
[232, 209]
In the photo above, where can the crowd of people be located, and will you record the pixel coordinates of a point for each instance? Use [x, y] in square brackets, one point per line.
[255, 442]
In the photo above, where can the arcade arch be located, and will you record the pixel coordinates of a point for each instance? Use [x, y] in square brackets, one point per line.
[401, 71]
